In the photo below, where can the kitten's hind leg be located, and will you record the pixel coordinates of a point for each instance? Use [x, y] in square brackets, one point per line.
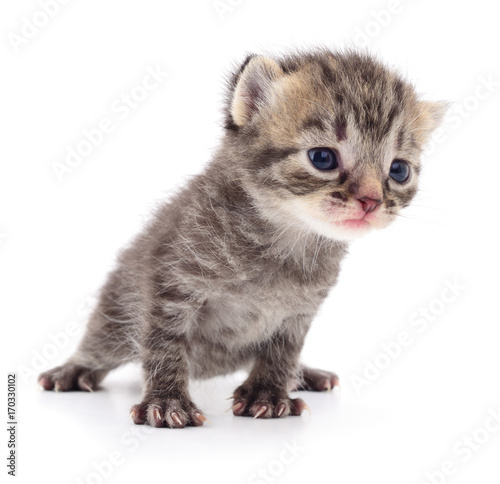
[106, 344]
[71, 377]
[315, 380]
[100, 351]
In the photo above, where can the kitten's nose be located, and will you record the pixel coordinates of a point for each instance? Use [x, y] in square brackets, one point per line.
[369, 204]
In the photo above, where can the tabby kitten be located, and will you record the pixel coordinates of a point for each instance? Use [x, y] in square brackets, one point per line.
[319, 148]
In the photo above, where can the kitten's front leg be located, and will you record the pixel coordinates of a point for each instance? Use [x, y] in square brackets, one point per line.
[265, 392]
[166, 401]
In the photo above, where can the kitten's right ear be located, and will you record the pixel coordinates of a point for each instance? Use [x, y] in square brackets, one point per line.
[430, 117]
[253, 88]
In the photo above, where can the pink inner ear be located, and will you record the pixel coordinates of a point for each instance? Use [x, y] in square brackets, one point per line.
[251, 90]
[253, 94]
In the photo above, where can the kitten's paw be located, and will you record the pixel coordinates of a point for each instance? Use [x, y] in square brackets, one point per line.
[317, 380]
[71, 377]
[265, 403]
[169, 412]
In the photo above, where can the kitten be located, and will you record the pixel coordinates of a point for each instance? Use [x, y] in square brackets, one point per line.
[319, 148]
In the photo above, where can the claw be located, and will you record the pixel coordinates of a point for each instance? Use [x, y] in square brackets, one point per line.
[57, 387]
[261, 410]
[202, 418]
[281, 409]
[306, 407]
[176, 419]
[86, 386]
[236, 407]
[133, 414]
[157, 414]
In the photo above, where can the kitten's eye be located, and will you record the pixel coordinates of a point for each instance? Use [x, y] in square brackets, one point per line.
[323, 158]
[400, 171]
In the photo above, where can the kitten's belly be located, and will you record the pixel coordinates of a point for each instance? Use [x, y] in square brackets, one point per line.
[229, 330]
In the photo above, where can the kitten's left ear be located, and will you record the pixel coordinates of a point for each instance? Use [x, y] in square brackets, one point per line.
[253, 88]
[430, 117]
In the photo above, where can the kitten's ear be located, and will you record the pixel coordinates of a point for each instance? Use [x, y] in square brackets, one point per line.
[430, 117]
[253, 87]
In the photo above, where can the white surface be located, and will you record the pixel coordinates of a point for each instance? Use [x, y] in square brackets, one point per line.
[58, 240]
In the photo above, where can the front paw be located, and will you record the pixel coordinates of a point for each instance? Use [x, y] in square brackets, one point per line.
[175, 413]
[265, 403]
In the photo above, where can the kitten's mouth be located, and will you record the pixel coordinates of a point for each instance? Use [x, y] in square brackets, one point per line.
[358, 223]
[352, 219]
[340, 222]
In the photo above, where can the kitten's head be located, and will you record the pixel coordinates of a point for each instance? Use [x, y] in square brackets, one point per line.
[328, 140]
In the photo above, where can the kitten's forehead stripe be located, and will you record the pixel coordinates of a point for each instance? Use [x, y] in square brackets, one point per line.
[313, 122]
[356, 86]
[341, 127]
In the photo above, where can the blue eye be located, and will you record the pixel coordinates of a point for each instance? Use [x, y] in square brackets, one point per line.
[323, 159]
[400, 171]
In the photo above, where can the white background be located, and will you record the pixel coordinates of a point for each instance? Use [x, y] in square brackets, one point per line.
[59, 238]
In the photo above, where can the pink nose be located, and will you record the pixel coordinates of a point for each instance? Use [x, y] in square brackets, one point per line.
[369, 204]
